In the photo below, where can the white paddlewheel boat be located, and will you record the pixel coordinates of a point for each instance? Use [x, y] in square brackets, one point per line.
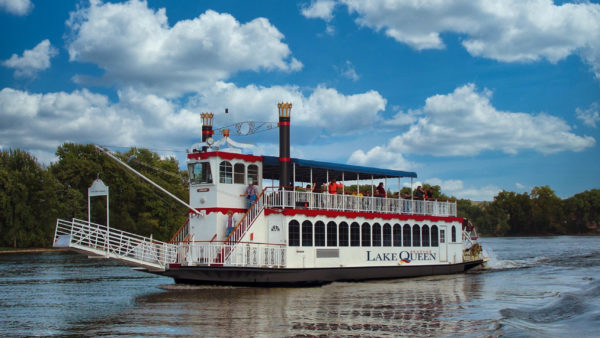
[289, 236]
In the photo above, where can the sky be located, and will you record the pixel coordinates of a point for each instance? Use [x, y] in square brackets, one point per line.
[474, 96]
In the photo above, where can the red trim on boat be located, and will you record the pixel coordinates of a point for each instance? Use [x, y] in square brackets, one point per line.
[367, 215]
[225, 156]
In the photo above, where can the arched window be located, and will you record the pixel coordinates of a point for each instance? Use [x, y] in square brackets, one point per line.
[343, 234]
[331, 234]
[406, 235]
[397, 235]
[239, 173]
[225, 172]
[319, 233]
[354, 234]
[307, 236]
[294, 233]
[425, 235]
[376, 234]
[434, 235]
[416, 235]
[253, 173]
[387, 235]
[453, 234]
[366, 234]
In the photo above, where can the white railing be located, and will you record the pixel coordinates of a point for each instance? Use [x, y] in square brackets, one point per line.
[114, 243]
[240, 254]
[325, 201]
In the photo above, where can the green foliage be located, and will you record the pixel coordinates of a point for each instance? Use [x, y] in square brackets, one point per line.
[540, 212]
[32, 198]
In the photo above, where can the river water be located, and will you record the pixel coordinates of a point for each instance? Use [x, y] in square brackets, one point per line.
[545, 286]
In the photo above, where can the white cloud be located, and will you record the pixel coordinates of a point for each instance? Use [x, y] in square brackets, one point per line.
[33, 60]
[401, 118]
[16, 7]
[457, 188]
[508, 31]
[588, 116]
[519, 186]
[41, 122]
[464, 123]
[348, 71]
[324, 107]
[142, 119]
[381, 157]
[320, 9]
[135, 46]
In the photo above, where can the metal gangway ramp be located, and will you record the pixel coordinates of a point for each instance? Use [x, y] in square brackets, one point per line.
[99, 240]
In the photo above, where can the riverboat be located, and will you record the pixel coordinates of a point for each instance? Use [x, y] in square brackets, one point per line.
[290, 235]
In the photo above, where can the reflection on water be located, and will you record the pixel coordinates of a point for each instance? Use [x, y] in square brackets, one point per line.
[538, 286]
[424, 306]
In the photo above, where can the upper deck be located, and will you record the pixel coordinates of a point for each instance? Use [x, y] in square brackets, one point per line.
[275, 198]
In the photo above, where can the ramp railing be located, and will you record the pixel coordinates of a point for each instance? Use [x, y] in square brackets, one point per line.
[97, 239]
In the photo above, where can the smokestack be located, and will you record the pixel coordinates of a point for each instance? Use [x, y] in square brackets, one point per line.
[285, 110]
[207, 131]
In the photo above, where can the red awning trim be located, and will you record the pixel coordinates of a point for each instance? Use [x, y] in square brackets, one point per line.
[367, 215]
[225, 156]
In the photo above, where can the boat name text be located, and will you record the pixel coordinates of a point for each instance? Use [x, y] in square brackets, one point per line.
[402, 256]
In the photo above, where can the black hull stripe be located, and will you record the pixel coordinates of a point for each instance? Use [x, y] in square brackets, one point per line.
[242, 276]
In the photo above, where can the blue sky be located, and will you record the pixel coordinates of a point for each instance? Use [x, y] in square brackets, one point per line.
[476, 96]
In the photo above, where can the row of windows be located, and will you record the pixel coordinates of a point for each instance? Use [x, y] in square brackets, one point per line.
[365, 235]
[237, 173]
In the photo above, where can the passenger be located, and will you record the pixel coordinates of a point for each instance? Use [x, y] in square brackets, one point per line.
[230, 223]
[419, 193]
[430, 193]
[251, 194]
[333, 186]
[380, 190]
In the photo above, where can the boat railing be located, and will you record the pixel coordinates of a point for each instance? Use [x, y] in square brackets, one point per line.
[276, 198]
[100, 240]
[240, 254]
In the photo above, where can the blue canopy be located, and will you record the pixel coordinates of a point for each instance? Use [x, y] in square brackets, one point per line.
[321, 169]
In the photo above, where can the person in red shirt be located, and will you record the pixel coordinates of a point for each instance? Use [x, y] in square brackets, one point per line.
[333, 186]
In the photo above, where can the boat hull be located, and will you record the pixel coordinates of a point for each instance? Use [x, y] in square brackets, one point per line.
[245, 276]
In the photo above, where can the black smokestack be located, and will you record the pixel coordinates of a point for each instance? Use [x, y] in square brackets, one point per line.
[207, 131]
[285, 110]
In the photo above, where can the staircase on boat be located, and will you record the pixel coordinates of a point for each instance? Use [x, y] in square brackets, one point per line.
[101, 241]
[240, 229]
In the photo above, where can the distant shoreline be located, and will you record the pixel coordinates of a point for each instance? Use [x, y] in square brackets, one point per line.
[11, 251]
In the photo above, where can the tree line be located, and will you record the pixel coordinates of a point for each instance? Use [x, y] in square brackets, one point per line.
[33, 196]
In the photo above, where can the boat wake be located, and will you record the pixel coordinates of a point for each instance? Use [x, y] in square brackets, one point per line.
[573, 309]
[588, 259]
